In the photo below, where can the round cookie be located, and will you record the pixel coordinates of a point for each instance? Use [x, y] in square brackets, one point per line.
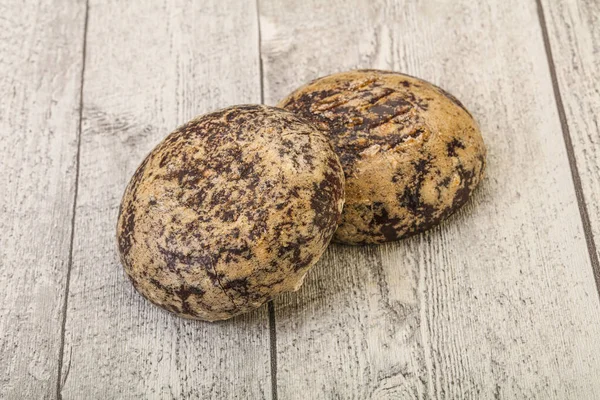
[411, 152]
[230, 210]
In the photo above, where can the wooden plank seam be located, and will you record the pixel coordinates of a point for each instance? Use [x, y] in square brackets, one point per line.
[581, 201]
[59, 379]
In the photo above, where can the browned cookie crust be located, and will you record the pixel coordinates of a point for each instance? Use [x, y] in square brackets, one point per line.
[229, 211]
[411, 152]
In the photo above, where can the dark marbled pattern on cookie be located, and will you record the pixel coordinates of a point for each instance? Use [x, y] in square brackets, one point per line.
[411, 152]
[229, 211]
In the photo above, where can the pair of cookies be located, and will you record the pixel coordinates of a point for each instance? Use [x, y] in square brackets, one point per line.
[236, 206]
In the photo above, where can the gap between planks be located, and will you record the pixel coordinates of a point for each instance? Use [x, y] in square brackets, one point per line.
[583, 211]
[271, 305]
[61, 350]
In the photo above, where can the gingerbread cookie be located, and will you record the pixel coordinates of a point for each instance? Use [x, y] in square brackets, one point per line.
[230, 210]
[411, 152]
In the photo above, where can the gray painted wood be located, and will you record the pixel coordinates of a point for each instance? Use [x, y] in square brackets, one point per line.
[499, 301]
[574, 35]
[40, 71]
[150, 67]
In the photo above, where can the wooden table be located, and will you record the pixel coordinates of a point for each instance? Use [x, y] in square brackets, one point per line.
[500, 302]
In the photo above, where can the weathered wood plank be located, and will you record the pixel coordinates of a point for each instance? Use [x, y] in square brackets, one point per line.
[574, 36]
[150, 67]
[499, 302]
[40, 75]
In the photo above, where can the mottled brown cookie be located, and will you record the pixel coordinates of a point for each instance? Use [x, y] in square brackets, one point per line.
[229, 211]
[411, 152]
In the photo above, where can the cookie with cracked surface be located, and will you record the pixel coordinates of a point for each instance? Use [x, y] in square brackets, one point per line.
[411, 152]
[230, 210]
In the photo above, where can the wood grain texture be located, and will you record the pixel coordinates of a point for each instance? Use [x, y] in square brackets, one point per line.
[150, 67]
[40, 75]
[574, 36]
[499, 301]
